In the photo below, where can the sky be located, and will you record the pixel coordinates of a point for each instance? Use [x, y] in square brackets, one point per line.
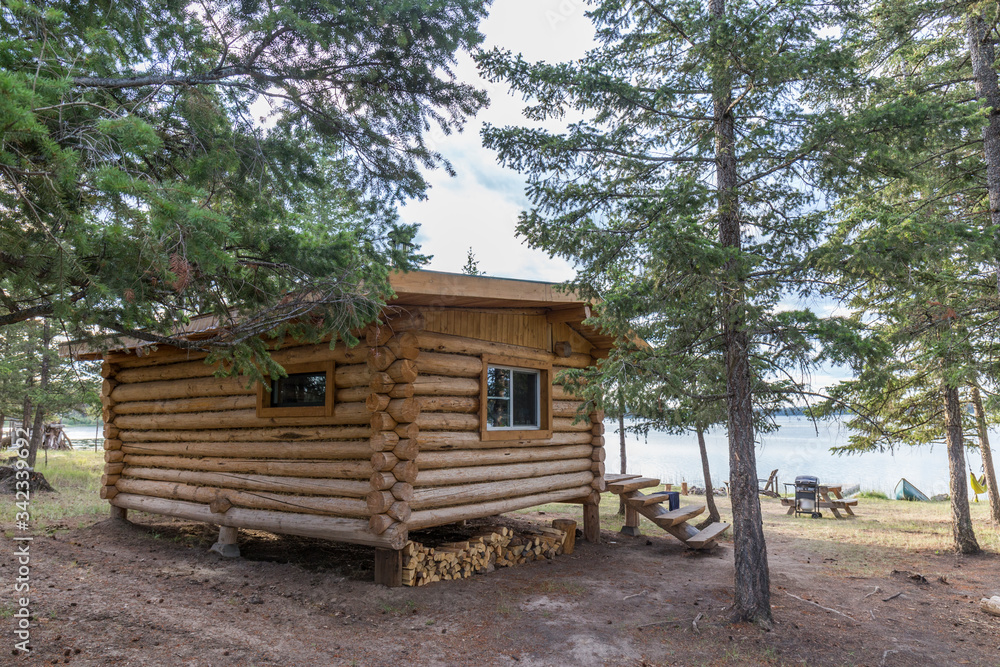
[478, 207]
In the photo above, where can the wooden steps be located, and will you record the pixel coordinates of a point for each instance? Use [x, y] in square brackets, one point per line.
[621, 487]
[650, 506]
[679, 515]
[707, 536]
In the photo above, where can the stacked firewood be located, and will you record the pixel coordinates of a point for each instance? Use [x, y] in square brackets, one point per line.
[481, 553]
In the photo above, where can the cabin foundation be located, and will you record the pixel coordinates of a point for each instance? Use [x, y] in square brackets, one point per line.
[227, 544]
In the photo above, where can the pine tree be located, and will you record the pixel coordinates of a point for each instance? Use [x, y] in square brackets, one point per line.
[681, 197]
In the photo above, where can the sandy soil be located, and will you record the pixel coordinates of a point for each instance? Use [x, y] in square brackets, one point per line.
[149, 593]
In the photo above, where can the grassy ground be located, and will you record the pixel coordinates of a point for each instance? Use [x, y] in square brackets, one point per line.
[76, 477]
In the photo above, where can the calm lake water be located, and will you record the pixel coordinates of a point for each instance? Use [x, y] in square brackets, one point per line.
[798, 447]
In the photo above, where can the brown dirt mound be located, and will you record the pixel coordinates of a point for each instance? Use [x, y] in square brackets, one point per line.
[8, 481]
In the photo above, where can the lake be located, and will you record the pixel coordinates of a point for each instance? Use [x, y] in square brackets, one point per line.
[798, 447]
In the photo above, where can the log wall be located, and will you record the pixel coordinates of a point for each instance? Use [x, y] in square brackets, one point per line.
[402, 449]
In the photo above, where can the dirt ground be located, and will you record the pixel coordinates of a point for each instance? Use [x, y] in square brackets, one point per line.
[150, 593]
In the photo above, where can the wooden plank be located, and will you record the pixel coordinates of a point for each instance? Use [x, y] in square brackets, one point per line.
[389, 567]
[640, 500]
[679, 515]
[618, 478]
[592, 523]
[707, 537]
[625, 486]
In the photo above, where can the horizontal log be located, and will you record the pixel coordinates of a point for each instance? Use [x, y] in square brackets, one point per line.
[449, 344]
[307, 486]
[335, 449]
[297, 468]
[407, 431]
[597, 441]
[112, 444]
[401, 319]
[399, 511]
[404, 345]
[381, 523]
[451, 365]
[432, 441]
[107, 369]
[376, 335]
[402, 491]
[406, 449]
[460, 404]
[381, 383]
[354, 375]
[113, 456]
[447, 421]
[308, 525]
[383, 441]
[384, 461]
[178, 371]
[260, 500]
[568, 424]
[597, 467]
[108, 492]
[380, 358]
[463, 494]
[176, 406]
[376, 402]
[440, 516]
[265, 434]
[110, 431]
[567, 409]
[512, 471]
[560, 393]
[597, 429]
[379, 501]
[405, 471]
[403, 409]
[401, 390]
[109, 480]
[403, 370]
[483, 457]
[383, 481]
[114, 468]
[599, 454]
[343, 413]
[440, 385]
[381, 421]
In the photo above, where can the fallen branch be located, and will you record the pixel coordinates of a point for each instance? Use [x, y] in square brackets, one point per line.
[694, 623]
[840, 613]
[874, 592]
[627, 597]
[892, 597]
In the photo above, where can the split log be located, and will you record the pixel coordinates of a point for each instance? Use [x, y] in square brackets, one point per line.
[308, 525]
[461, 404]
[250, 482]
[451, 365]
[447, 421]
[343, 413]
[380, 523]
[189, 388]
[431, 441]
[300, 468]
[474, 457]
[267, 434]
[515, 471]
[182, 405]
[445, 515]
[349, 507]
[440, 385]
[337, 449]
[450, 496]
[407, 449]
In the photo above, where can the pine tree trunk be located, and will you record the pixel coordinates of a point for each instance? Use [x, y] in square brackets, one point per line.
[26, 413]
[713, 511]
[752, 589]
[984, 446]
[981, 53]
[621, 442]
[43, 383]
[965, 537]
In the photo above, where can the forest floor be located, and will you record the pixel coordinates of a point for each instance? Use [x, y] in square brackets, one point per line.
[880, 590]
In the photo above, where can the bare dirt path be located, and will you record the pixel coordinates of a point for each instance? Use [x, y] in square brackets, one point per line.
[151, 594]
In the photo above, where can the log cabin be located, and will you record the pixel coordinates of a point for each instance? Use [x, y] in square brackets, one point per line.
[450, 409]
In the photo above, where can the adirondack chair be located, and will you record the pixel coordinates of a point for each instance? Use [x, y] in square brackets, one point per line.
[770, 487]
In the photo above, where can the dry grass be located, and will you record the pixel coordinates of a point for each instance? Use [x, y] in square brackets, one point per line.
[76, 478]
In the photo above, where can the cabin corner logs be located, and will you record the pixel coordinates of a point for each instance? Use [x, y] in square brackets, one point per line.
[401, 450]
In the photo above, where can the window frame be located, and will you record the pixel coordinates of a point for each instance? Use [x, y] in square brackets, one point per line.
[544, 398]
[265, 409]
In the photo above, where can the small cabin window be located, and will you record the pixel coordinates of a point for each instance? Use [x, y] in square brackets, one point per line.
[512, 398]
[515, 399]
[307, 391]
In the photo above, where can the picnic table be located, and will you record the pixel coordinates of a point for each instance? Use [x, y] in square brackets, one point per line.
[831, 497]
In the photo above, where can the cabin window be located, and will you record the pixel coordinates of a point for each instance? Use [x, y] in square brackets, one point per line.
[307, 391]
[515, 399]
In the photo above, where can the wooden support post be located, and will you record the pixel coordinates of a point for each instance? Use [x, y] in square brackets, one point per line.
[631, 527]
[227, 544]
[119, 513]
[389, 567]
[592, 522]
[569, 527]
